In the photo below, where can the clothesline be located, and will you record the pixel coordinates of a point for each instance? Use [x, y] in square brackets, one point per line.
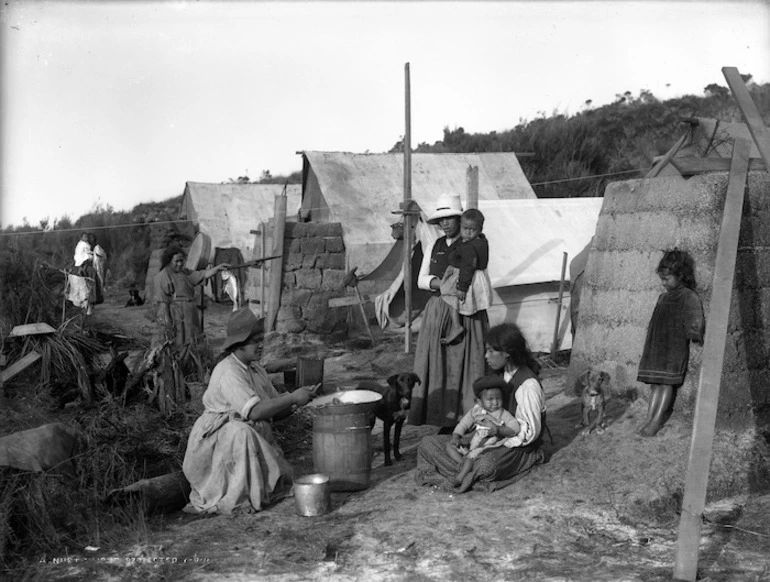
[140, 224]
[90, 228]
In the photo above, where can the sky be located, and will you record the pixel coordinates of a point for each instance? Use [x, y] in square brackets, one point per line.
[117, 103]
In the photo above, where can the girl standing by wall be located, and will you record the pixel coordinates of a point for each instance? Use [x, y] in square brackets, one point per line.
[677, 320]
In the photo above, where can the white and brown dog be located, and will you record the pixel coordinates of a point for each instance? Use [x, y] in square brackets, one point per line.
[591, 385]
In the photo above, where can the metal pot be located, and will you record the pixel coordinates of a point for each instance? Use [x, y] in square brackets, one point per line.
[312, 494]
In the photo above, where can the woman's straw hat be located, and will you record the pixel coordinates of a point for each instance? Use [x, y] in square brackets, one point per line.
[241, 325]
[447, 205]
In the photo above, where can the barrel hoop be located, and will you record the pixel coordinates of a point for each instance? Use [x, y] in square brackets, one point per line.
[343, 429]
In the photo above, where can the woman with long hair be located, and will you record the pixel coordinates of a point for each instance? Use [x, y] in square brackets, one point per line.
[508, 355]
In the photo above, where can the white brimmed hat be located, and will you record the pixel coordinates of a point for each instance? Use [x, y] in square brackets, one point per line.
[447, 205]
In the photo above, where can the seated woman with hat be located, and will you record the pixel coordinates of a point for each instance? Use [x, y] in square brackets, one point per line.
[232, 461]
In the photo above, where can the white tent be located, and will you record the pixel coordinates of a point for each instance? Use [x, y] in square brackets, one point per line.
[361, 191]
[527, 242]
[229, 212]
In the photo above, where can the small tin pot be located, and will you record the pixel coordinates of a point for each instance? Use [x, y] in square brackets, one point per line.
[312, 494]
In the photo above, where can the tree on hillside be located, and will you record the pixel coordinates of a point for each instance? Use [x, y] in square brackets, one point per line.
[579, 155]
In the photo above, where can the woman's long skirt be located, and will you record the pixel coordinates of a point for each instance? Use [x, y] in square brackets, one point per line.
[446, 372]
[493, 469]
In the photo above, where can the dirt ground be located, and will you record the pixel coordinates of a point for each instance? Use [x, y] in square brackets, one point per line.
[603, 508]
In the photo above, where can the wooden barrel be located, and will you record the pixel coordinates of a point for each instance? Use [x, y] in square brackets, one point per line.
[342, 449]
[199, 254]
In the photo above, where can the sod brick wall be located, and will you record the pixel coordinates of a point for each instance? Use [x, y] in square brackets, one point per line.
[313, 273]
[639, 220]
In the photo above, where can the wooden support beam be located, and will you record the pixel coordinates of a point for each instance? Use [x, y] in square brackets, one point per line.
[347, 301]
[276, 267]
[472, 187]
[701, 443]
[408, 225]
[19, 366]
[659, 165]
[757, 127]
[691, 165]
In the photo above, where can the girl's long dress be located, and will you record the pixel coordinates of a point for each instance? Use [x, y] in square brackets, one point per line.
[231, 462]
[676, 320]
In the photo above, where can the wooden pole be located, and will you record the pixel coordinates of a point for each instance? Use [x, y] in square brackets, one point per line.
[701, 443]
[276, 268]
[555, 343]
[656, 169]
[757, 128]
[407, 217]
[262, 270]
[472, 186]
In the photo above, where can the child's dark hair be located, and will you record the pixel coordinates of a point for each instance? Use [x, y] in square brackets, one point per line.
[475, 216]
[681, 265]
[507, 337]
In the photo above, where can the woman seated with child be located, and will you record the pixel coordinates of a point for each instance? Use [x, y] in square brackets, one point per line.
[508, 446]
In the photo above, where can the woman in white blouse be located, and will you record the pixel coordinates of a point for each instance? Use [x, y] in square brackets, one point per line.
[508, 355]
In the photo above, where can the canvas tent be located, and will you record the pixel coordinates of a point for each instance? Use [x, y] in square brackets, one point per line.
[361, 191]
[229, 212]
[527, 242]
[527, 236]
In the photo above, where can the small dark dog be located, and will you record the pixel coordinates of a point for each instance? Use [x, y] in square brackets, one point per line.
[591, 384]
[393, 408]
[135, 300]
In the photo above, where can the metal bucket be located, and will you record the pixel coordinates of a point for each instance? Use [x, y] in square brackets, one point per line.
[312, 494]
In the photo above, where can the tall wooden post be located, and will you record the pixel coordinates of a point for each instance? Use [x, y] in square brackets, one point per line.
[472, 187]
[701, 443]
[276, 268]
[262, 268]
[408, 235]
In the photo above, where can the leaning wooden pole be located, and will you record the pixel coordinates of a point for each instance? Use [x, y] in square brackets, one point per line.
[750, 112]
[408, 235]
[276, 268]
[701, 443]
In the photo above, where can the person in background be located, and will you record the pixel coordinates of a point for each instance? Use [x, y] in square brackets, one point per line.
[178, 316]
[232, 461]
[83, 253]
[100, 262]
[676, 321]
[84, 267]
[447, 371]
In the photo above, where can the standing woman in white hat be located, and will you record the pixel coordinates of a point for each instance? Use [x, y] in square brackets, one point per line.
[232, 461]
[447, 372]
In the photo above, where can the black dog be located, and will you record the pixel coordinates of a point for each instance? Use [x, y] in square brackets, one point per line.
[393, 408]
[135, 300]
